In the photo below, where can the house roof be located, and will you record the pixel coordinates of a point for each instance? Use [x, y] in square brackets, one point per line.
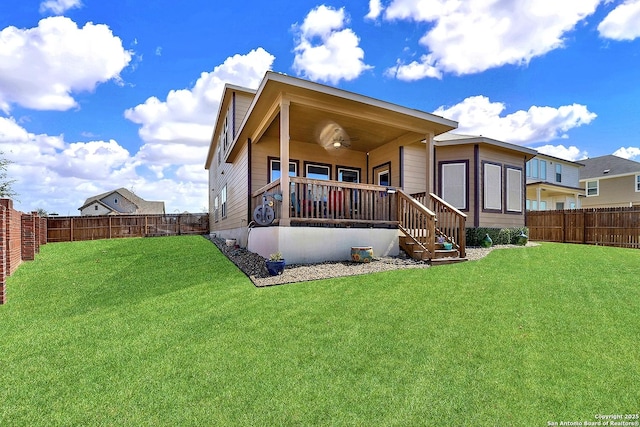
[144, 206]
[370, 122]
[607, 167]
[451, 138]
[558, 159]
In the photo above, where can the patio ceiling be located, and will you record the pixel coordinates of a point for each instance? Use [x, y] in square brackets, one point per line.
[366, 123]
[307, 124]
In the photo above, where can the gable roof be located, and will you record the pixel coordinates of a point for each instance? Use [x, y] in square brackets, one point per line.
[451, 138]
[608, 166]
[307, 98]
[143, 206]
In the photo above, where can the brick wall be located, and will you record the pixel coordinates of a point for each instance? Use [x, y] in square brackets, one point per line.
[20, 238]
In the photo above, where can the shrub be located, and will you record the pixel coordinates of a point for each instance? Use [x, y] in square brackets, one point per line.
[500, 236]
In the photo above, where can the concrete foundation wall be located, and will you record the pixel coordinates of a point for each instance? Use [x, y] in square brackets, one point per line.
[307, 245]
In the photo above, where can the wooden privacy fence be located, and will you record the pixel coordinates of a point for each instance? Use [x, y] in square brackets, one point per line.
[74, 228]
[603, 226]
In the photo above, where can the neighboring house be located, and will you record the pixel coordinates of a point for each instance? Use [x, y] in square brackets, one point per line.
[553, 183]
[361, 172]
[610, 181]
[119, 202]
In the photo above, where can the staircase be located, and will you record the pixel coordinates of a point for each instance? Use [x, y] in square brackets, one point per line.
[422, 227]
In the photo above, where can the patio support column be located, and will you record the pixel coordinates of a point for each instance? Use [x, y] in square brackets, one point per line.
[284, 162]
[538, 198]
[430, 166]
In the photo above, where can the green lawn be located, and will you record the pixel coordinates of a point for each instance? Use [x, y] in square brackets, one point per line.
[166, 331]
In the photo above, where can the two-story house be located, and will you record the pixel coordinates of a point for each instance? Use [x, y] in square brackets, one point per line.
[311, 171]
[610, 181]
[120, 202]
[553, 183]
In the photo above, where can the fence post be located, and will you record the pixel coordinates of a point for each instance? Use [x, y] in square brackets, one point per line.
[4, 253]
[28, 237]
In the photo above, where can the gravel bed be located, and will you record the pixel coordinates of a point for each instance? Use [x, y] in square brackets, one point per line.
[253, 265]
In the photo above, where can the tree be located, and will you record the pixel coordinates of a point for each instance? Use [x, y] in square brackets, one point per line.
[6, 189]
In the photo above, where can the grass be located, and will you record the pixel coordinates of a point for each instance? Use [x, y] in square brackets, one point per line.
[166, 331]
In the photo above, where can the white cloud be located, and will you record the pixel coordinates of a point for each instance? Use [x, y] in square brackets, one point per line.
[58, 176]
[178, 130]
[571, 153]
[58, 7]
[623, 22]
[477, 115]
[375, 9]
[468, 37]
[43, 66]
[325, 50]
[627, 153]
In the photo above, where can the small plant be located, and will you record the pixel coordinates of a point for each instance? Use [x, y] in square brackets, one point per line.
[276, 256]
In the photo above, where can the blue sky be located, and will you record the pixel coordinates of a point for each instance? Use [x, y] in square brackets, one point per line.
[98, 95]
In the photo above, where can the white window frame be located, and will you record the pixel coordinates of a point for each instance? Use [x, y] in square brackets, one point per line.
[316, 165]
[223, 202]
[215, 209]
[558, 172]
[586, 188]
[513, 205]
[343, 169]
[381, 173]
[638, 183]
[291, 173]
[492, 182]
[453, 188]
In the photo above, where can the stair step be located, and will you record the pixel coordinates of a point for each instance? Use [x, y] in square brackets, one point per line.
[444, 261]
[443, 253]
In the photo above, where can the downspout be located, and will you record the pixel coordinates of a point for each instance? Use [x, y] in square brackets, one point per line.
[476, 193]
[249, 177]
[401, 168]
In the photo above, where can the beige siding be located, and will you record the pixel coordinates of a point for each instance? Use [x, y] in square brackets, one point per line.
[234, 176]
[613, 192]
[243, 101]
[300, 151]
[415, 168]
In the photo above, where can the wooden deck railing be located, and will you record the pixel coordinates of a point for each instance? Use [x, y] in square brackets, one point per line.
[418, 223]
[451, 222]
[333, 202]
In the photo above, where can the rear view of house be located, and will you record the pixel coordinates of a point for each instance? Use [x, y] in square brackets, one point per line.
[311, 171]
[120, 202]
[610, 181]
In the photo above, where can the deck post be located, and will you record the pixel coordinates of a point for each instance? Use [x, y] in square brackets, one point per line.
[429, 166]
[284, 162]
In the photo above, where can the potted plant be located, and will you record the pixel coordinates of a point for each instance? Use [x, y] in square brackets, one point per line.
[275, 264]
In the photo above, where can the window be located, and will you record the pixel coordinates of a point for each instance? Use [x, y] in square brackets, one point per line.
[559, 206]
[383, 178]
[637, 183]
[528, 203]
[492, 186]
[514, 190]
[274, 169]
[225, 132]
[348, 175]
[558, 172]
[534, 205]
[593, 188]
[215, 209]
[314, 171]
[223, 201]
[543, 205]
[537, 168]
[572, 205]
[454, 184]
[95, 207]
[115, 200]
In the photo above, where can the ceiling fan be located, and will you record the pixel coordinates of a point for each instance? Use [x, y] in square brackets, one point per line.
[332, 135]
